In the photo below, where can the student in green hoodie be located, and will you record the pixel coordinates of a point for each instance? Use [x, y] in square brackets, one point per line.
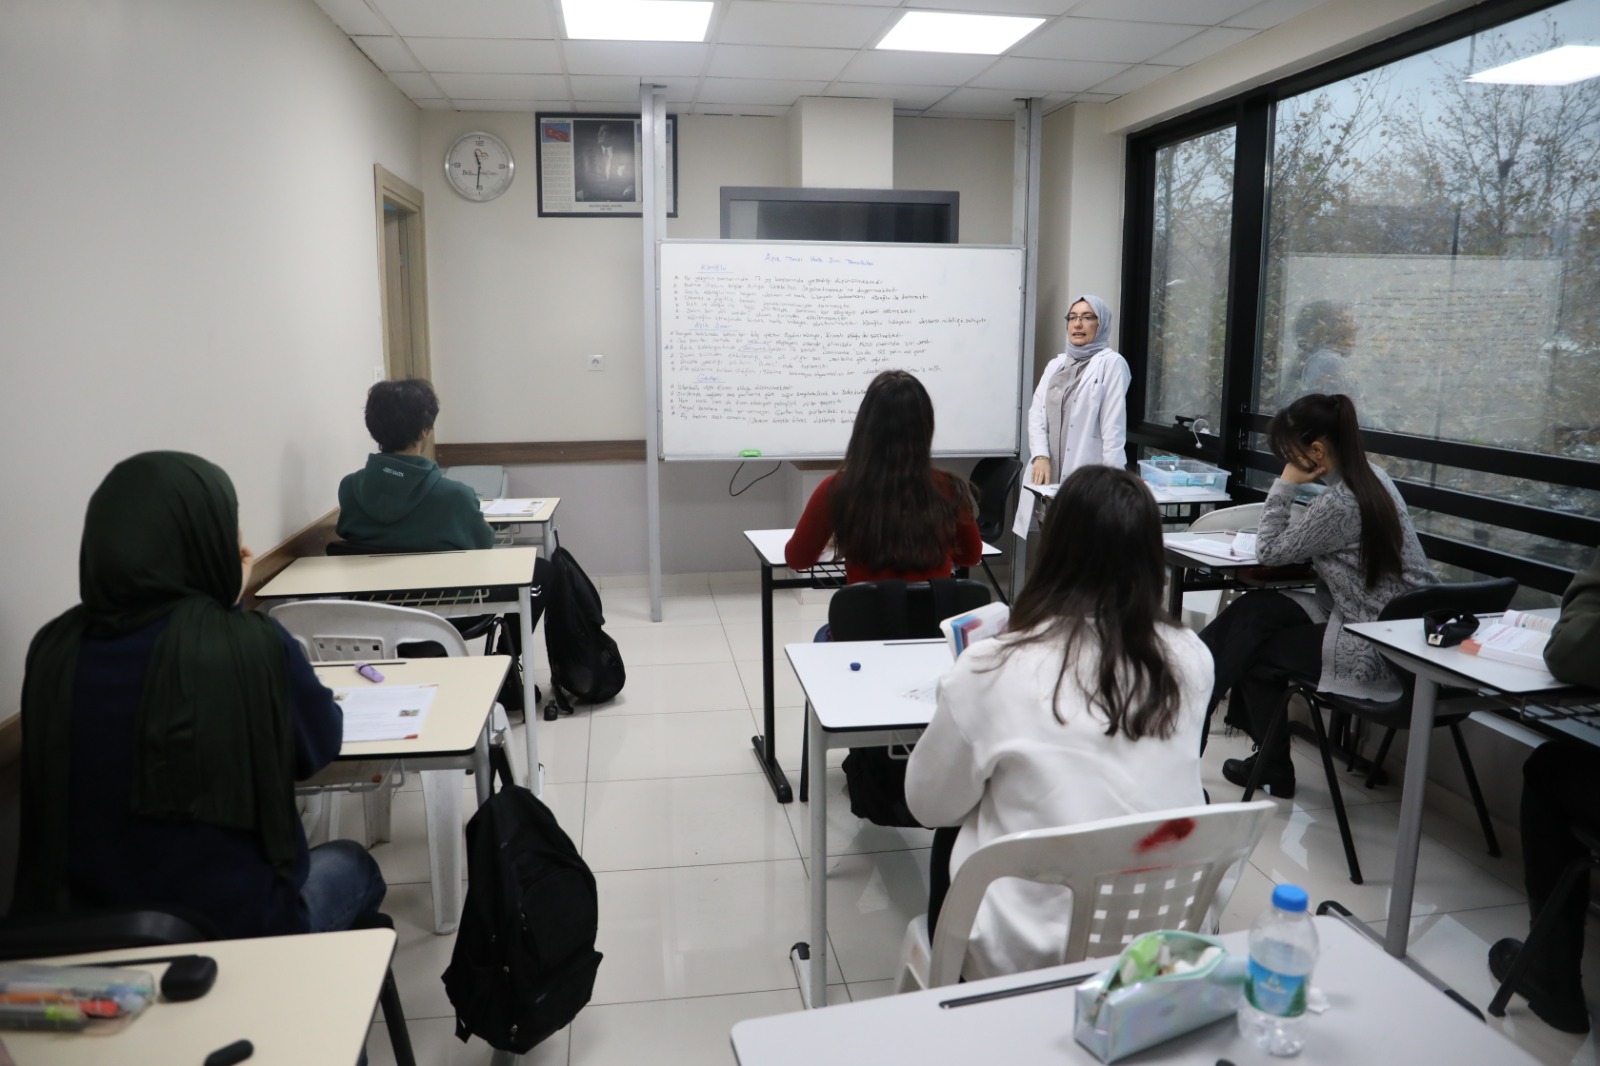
[401, 501]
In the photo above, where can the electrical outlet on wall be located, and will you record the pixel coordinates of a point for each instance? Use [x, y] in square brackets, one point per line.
[597, 362]
[377, 374]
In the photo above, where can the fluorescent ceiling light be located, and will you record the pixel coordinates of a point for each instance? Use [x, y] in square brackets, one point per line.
[939, 31]
[1560, 66]
[636, 20]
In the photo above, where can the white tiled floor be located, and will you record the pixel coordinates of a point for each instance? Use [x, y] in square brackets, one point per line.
[702, 876]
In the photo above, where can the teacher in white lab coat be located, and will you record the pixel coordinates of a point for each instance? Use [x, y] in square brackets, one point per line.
[1079, 415]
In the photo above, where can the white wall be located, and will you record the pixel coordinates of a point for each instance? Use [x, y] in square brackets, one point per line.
[518, 302]
[190, 262]
[1080, 221]
[971, 156]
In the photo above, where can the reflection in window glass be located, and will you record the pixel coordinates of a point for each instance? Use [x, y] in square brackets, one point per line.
[1434, 250]
[1189, 277]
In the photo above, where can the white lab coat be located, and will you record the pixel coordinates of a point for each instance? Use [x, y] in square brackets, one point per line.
[1097, 423]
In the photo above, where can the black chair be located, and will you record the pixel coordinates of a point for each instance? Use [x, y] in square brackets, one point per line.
[42, 936]
[1475, 597]
[893, 610]
[992, 481]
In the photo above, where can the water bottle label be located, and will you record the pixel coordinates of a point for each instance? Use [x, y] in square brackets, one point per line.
[1274, 993]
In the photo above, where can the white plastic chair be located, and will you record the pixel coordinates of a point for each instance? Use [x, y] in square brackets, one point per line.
[345, 630]
[1128, 876]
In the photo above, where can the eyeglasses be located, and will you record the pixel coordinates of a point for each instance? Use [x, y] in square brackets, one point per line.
[1085, 319]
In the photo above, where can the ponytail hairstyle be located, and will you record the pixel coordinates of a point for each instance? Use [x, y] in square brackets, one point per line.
[891, 509]
[1332, 420]
[1099, 575]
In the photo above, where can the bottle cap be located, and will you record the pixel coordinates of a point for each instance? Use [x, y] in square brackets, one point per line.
[1289, 898]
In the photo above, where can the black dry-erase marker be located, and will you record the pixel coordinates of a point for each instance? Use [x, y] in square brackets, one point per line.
[235, 1052]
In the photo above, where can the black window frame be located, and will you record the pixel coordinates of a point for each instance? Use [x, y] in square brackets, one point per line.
[1252, 116]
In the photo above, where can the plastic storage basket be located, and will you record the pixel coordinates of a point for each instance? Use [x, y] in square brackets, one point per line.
[1174, 472]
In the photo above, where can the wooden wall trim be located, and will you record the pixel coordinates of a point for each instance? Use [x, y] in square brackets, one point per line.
[546, 451]
[311, 539]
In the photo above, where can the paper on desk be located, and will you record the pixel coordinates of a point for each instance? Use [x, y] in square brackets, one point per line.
[384, 712]
[1200, 545]
[501, 508]
[928, 693]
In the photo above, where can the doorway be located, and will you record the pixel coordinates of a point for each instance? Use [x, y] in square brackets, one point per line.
[403, 277]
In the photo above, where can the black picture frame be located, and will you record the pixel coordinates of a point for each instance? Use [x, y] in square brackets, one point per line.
[577, 181]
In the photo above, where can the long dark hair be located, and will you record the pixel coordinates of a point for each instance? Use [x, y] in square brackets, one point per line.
[891, 509]
[1099, 572]
[1332, 420]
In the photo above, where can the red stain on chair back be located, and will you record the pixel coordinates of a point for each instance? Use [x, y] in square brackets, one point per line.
[1169, 832]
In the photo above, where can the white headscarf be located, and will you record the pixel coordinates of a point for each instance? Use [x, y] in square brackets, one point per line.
[1099, 343]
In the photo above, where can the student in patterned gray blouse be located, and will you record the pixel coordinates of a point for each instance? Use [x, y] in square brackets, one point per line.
[1358, 538]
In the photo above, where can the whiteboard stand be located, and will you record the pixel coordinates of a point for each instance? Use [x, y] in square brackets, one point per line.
[652, 128]
[1028, 121]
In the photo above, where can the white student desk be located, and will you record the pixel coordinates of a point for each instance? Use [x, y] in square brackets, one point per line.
[1507, 685]
[888, 700]
[828, 573]
[538, 511]
[301, 1000]
[1180, 560]
[1189, 500]
[455, 736]
[1379, 1012]
[447, 583]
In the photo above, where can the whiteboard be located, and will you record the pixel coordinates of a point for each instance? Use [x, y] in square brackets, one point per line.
[770, 345]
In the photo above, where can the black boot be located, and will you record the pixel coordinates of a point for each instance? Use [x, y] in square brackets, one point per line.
[1277, 781]
[1560, 1005]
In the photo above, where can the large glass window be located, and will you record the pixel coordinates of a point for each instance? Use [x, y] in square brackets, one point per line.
[1429, 244]
[1193, 213]
[1433, 246]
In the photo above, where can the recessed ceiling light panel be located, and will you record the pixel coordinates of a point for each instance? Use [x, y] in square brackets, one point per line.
[941, 31]
[636, 20]
[1560, 66]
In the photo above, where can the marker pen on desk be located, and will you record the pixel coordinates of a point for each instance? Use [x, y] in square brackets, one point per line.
[56, 1016]
[368, 671]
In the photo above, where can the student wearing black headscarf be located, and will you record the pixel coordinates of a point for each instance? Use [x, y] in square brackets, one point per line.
[163, 729]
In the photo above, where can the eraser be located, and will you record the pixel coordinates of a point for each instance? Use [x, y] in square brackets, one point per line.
[750, 453]
[235, 1052]
[855, 666]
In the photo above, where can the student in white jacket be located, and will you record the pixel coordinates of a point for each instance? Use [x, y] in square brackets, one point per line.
[1079, 415]
[1089, 707]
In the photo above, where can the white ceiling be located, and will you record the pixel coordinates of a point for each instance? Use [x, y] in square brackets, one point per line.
[760, 55]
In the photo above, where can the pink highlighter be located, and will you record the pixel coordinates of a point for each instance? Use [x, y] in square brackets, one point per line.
[368, 671]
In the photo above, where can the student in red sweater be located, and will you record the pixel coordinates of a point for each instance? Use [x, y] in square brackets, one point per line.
[889, 513]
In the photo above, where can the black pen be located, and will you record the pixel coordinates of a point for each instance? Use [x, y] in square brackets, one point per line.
[1020, 990]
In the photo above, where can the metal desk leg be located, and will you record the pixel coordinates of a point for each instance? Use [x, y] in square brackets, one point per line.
[765, 744]
[530, 701]
[1423, 697]
[482, 774]
[811, 959]
[1175, 581]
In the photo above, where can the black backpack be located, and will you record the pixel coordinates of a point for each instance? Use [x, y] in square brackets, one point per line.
[524, 961]
[583, 659]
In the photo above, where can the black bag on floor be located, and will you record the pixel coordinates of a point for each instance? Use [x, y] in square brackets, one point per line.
[524, 962]
[877, 785]
[584, 661]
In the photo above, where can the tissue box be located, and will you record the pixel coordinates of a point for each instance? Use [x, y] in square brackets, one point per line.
[1129, 1018]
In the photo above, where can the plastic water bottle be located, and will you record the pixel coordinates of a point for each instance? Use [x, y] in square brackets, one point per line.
[1283, 949]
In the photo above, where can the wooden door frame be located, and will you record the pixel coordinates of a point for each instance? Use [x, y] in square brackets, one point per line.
[388, 188]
